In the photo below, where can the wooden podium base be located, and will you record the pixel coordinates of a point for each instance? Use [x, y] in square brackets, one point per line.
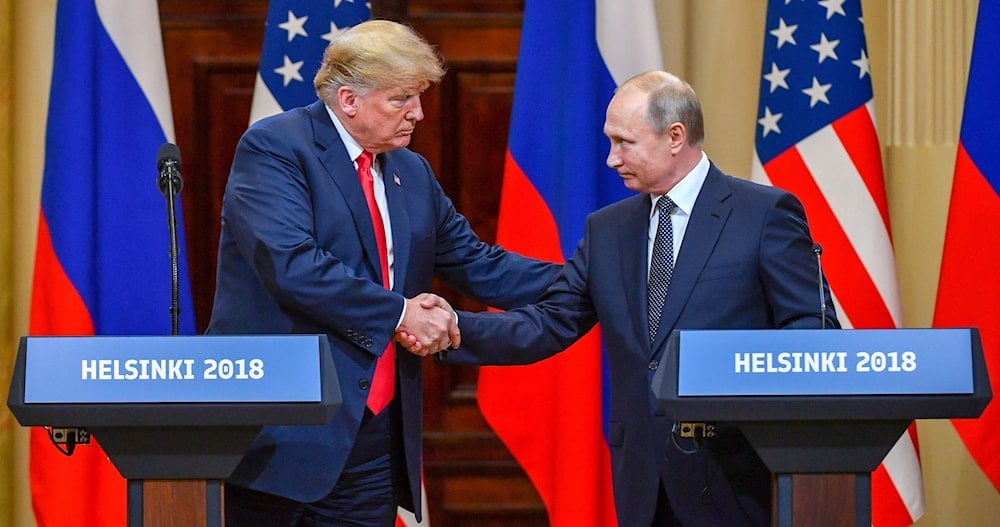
[830, 500]
[175, 503]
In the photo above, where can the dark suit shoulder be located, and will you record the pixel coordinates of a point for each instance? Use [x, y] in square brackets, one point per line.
[748, 188]
[638, 203]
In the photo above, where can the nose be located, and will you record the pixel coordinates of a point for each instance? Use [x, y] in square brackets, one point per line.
[614, 160]
[416, 111]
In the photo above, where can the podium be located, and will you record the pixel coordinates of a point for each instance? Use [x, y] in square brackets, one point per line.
[169, 411]
[822, 401]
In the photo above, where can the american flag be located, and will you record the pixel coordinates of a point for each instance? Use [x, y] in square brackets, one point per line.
[295, 35]
[816, 137]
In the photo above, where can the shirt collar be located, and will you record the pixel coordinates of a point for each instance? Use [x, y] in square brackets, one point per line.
[353, 147]
[685, 192]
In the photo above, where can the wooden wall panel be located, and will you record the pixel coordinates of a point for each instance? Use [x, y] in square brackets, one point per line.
[211, 50]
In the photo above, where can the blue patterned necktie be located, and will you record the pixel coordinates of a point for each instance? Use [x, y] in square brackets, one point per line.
[661, 266]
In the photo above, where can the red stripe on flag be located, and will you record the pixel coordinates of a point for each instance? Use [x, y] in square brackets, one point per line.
[863, 305]
[56, 479]
[549, 413]
[890, 511]
[856, 132]
[525, 225]
[56, 307]
[967, 293]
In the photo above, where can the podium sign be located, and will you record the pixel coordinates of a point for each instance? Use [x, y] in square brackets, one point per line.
[230, 369]
[174, 407]
[842, 362]
[890, 375]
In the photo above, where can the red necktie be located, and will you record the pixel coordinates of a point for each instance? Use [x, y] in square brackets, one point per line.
[384, 382]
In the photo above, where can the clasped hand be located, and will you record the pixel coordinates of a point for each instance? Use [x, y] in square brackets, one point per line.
[429, 325]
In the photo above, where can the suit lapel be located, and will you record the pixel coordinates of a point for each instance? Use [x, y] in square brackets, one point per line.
[707, 221]
[340, 166]
[632, 250]
[399, 218]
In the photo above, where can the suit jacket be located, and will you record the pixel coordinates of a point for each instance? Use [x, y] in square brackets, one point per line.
[745, 262]
[297, 254]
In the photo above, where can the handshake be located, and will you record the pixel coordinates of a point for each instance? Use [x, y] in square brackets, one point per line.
[429, 325]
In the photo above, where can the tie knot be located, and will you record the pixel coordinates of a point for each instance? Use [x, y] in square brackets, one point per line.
[364, 162]
[665, 205]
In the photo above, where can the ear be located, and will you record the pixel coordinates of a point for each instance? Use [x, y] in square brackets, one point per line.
[348, 100]
[678, 136]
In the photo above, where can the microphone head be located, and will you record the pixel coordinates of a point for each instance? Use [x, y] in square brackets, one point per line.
[168, 152]
[817, 249]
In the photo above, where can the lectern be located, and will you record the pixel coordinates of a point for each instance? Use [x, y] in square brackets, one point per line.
[822, 401]
[177, 407]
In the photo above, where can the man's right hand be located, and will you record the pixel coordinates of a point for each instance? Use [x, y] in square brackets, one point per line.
[429, 325]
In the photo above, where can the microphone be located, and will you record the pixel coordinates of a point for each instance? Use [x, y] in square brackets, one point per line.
[168, 162]
[819, 280]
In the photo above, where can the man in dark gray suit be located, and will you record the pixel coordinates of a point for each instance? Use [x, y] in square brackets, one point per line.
[695, 249]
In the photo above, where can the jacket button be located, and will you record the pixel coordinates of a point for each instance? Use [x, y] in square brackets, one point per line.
[653, 365]
[363, 384]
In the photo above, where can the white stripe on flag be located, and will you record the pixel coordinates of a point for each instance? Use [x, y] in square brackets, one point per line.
[144, 56]
[264, 104]
[759, 175]
[637, 53]
[408, 519]
[903, 467]
[844, 190]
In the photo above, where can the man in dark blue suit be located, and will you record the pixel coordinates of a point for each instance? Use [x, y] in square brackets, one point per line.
[330, 225]
[718, 252]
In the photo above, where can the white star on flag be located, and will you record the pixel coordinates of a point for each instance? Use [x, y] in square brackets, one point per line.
[290, 70]
[833, 7]
[817, 92]
[770, 122]
[825, 48]
[784, 33]
[294, 26]
[777, 77]
[862, 64]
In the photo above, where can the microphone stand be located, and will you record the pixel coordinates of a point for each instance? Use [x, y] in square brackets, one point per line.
[170, 184]
[819, 280]
[172, 188]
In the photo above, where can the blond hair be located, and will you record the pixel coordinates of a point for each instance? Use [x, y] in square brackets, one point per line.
[377, 54]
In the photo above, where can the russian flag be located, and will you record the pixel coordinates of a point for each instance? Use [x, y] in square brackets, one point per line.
[551, 415]
[970, 282]
[102, 263]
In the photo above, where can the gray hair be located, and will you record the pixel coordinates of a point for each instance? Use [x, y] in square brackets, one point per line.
[671, 100]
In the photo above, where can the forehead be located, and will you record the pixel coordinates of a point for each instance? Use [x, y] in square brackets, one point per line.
[626, 112]
[401, 90]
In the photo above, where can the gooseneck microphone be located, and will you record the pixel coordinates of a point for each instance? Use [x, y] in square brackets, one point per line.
[168, 163]
[819, 280]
